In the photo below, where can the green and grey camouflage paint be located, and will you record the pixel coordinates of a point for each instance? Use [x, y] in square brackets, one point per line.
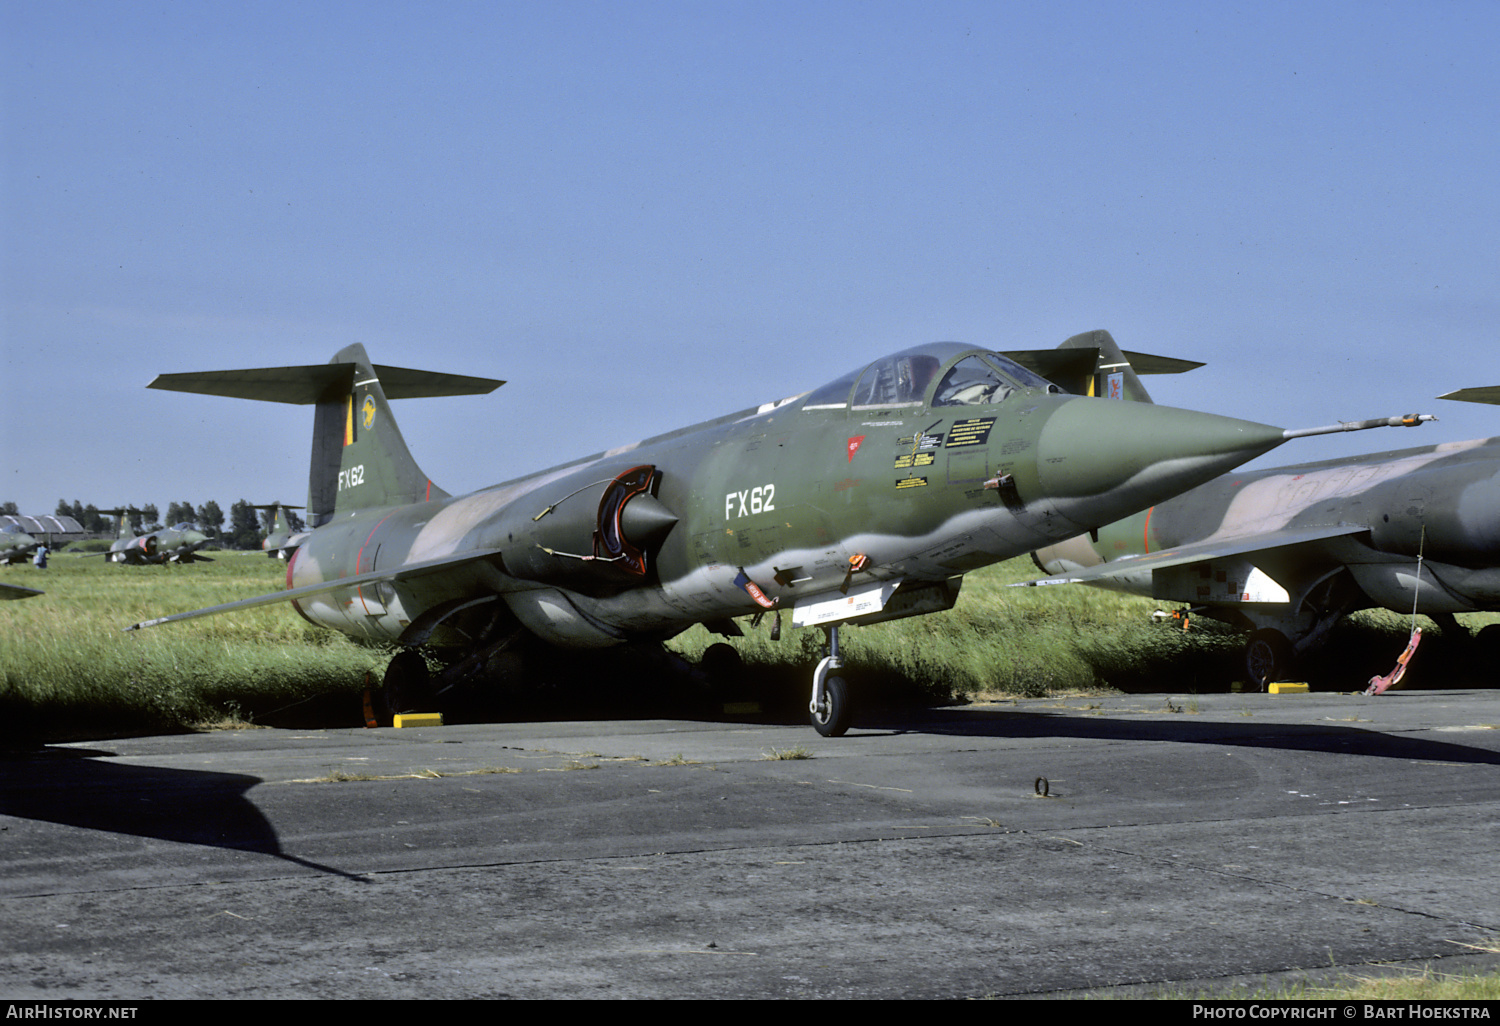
[1289, 551]
[867, 498]
[176, 544]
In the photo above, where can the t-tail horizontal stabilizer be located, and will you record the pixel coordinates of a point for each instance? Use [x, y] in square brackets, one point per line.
[1092, 364]
[359, 458]
[304, 386]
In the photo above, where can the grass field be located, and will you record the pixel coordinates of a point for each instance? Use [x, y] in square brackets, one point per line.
[67, 670]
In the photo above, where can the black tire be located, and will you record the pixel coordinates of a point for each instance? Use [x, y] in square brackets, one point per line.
[1486, 648]
[832, 717]
[722, 664]
[1268, 657]
[407, 686]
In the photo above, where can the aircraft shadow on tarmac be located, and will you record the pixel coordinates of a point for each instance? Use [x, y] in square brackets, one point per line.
[82, 788]
[1333, 738]
[86, 789]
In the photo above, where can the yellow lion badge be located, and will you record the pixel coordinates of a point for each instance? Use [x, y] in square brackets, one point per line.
[367, 411]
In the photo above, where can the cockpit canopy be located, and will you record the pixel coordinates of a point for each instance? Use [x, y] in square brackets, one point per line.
[939, 374]
[184, 526]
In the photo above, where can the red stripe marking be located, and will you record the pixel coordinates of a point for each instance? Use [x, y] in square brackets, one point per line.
[300, 611]
[360, 558]
[1146, 531]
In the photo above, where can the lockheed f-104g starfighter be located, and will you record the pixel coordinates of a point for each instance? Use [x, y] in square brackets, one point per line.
[862, 500]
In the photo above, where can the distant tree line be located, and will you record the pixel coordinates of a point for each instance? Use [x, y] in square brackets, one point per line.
[248, 526]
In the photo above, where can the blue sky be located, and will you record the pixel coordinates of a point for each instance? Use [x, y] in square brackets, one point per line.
[642, 215]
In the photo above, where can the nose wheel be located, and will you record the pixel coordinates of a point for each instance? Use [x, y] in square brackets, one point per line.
[830, 710]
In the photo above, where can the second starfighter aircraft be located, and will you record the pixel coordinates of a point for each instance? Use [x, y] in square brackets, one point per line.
[1287, 552]
[176, 544]
[16, 546]
[862, 500]
[282, 540]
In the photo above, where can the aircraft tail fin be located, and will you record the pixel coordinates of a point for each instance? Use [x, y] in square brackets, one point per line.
[1092, 364]
[122, 523]
[279, 522]
[359, 457]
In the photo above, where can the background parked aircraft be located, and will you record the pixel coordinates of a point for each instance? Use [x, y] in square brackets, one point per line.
[1287, 552]
[282, 540]
[16, 546]
[176, 544]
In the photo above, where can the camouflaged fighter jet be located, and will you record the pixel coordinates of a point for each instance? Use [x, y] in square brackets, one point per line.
[282, 541]
[1287, 552]
[20, 535]
[866, 499]
[176, 544]
[16, 546]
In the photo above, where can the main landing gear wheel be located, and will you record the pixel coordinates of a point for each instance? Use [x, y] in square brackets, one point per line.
[1487, 641]
[407, 686]
[831, 716]
[1268, 657]
[723, 666]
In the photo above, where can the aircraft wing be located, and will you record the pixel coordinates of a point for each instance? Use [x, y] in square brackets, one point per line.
[394, 574]
[1488, 394]
[15, 591]
[1215, 548]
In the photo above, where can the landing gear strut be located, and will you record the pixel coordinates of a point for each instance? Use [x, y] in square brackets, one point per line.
[830, 709]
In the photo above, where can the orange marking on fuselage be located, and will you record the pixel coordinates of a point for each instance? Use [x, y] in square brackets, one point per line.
[1146, 532]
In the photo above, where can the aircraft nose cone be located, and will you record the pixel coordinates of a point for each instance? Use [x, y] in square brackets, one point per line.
[1101, 459]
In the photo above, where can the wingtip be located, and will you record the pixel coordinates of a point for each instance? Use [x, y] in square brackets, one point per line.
[1489, 394]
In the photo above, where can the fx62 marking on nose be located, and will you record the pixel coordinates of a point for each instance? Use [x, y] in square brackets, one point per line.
[750, 502]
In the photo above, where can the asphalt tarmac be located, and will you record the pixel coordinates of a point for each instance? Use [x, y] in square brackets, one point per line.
[1174, 844]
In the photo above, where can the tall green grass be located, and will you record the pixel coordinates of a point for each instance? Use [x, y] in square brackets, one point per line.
[1004, 641]
[68, 670]
[1001, 640]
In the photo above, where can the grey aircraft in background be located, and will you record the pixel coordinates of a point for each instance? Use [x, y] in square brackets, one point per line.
[282, 541]
[1287, 552]
[176, 544]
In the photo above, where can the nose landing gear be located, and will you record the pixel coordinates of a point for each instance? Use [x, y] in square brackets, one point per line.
[830, 709]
